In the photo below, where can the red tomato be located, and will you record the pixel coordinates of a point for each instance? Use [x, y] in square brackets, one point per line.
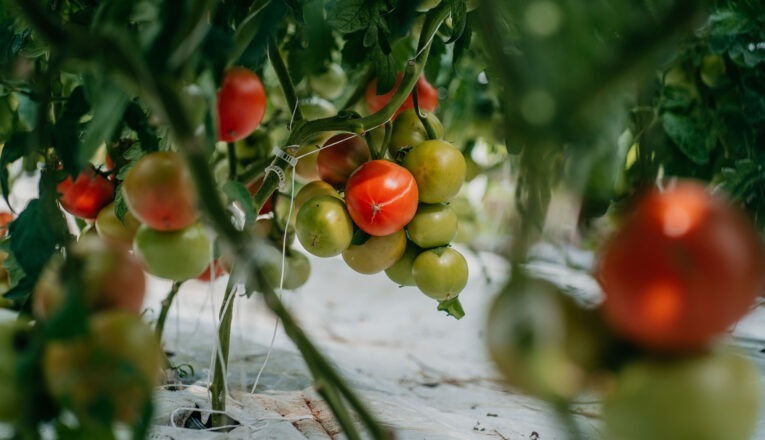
[216, 269]
[684, 267]
[241, 104]
[336, 163]
[381, 197]
[86, 196]
[5, 219]
[427, 96]
[160, 192]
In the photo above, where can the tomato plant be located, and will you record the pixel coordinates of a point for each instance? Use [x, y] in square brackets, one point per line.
[439, 169]
[381, 197]
[87, 194]
[341, 155]
[176, 255]
[241, 104]
[682, 269]
[427, 96]
[160, 193]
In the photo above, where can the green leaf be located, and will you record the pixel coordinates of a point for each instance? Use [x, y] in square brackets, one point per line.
[67, 131]
[11, 41]
[36, 234]
[120, 207]
[359, 237]
[690, 135]
[12, 151]
[138, 121]
[462, 44]
[385, 68]
[108, 103]
[435, 59]
[459, 19]
[351, 15]
[237, 193]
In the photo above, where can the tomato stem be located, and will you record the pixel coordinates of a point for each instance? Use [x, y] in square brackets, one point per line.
[218, 388]
[159, 327]
[285, 81]
[452, 307]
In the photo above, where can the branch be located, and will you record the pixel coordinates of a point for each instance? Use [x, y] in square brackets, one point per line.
[284, 80]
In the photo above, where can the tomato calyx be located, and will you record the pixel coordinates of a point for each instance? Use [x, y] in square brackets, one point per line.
[452, 307]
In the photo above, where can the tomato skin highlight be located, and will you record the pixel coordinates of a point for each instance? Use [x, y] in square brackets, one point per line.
[381, 197]
[87, 195]
[160, 192]
[336, 163]
[427, 96]
[684, 267]
[241, 104]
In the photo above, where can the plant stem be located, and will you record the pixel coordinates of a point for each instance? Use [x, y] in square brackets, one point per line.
[218, 388]
[280, 68]
[159, 327]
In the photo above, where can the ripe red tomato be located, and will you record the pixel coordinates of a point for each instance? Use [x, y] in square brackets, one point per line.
[160, 192]
[427, 96]
[381, 197]
[336, 163]
[5, 219]
[86, 196]
[241, 104]
[684, 267]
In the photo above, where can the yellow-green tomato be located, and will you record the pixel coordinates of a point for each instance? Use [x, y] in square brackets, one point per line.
[433, 226]
[313, 189]
[297, 268]
[110, 227]
[439, 169]
[712, 396]
[440, 273]
[408, 130]
[376, 254]
[401, 271]
[324, 227]
[174, 255]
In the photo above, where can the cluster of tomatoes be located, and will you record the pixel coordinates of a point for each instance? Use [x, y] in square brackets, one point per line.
[684, 266]
[389, 214]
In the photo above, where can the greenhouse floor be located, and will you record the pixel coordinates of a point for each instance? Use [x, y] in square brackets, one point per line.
[425, 375]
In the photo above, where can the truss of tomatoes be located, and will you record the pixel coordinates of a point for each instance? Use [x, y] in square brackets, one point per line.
[385, 215]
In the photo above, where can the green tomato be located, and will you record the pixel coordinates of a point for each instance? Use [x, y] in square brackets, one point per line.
[408, 130]
[712, 396]
[401, 271]
[109, 227]
[297, 267]
[440, 273]
[314, 189]
[433, 226]
[324, 227]
[330, 83]
[174, 255]
[712, 70]
[439, 169]
[376, 254]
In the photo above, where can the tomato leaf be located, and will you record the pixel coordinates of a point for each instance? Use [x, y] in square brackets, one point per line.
[351, 15]
[36, 234]
[689, 135]
[120, 207]
[11, 41]
[459, 19]
[462, 44]
[68, 129]
[108, 103]
[237, 193]
[435, 59]
[137, 120]
[385, 67]
[12, 151]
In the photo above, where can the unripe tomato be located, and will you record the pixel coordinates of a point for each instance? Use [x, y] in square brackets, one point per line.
[330, 82]
[160, 192]
[241, 104]
[307, 168]
[109, 276]
[324, 227]
[336, 163]
[174, 255]
[684, 267]
[439, 169]
[408, 130]
[297, 268]
[543, 342]
[381, 197]
[401, 271]
[427, 96]
[432, 226]
[110, 227]
[313, 189]
[111, 371]
[376, 254]
[440, 273]
[86, 196]
[712, 396]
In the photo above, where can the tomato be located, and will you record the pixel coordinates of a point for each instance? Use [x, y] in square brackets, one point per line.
[376, 254]
[311, 190]
[160, 192]
[683, 268]
[108, 226]
[87, 195]
[174, 255]
[427, 96]
[335, 163]
[543, 342]
[213, 271]
[432, 226]
[306, 168]
[110, 371]
[241, 104]
[440, 273]
[330, 82]
[5, 219]
[109, 277]
[401, 271]
[324, 227]
[381, 197]
[439, 169]
[408, 130]
[297, 268]
[712, 396]
[712, 70]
